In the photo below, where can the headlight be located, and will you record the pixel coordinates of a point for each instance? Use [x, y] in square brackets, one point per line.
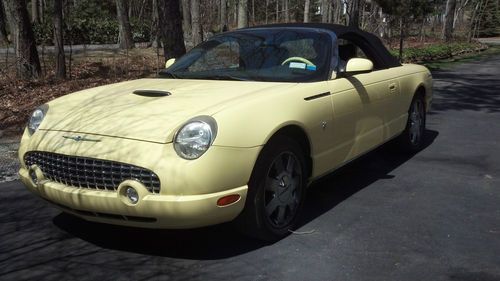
[195, 137]
[37, 118]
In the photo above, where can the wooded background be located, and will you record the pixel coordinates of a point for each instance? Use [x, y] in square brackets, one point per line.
[177, 25]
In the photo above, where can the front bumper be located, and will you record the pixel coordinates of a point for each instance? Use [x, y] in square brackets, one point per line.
[152, 211]
[189, 189]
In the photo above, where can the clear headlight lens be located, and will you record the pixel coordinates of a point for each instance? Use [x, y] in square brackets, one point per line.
[36, 118]
[194, 138]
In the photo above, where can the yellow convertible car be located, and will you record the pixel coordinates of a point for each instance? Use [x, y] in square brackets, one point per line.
[236, 129]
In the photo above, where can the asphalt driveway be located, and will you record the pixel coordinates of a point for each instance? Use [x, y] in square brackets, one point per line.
[430, 216]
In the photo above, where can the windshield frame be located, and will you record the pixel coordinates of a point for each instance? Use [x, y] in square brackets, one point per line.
[329, 67]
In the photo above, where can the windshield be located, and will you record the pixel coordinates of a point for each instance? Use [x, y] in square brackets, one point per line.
[269, 54]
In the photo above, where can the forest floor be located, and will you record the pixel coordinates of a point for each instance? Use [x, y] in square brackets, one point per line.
[88, 69]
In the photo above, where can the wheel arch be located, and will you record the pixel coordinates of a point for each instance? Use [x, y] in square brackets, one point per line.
[420, 90]
[298, 134]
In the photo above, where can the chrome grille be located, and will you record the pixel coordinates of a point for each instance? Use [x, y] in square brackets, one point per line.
[84, 172]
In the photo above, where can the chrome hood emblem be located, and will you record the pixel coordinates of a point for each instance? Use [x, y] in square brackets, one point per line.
[80, 138]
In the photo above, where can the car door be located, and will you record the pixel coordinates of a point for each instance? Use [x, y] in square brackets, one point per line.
[364, 107]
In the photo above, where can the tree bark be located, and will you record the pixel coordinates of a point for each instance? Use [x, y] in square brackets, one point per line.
[28, 63]
[353, 13]
[35, 11]
[186, 16]
[242, 13]
[170, 25]
[324, 10]
[448, 20]
[285, 7]
[223, 15]
[59, 40]
[3, 25]
[277, 10]
[197, 34]
[307, 7]
[267, 11]
[126, 41]
[402, 26]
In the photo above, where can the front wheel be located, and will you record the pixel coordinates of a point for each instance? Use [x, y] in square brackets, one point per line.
[412, 138]
[276, 191]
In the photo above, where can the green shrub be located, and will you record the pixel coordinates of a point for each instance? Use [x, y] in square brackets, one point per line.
[436, 51]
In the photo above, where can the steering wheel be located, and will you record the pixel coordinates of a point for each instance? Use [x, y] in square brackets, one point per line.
[300, 59]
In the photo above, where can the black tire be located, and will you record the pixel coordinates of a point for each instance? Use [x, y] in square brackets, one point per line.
[412, 138]
[276, 191]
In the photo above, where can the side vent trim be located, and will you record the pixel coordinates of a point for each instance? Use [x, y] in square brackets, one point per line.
[317, 96]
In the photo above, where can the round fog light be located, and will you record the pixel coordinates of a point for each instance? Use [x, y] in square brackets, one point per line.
[132, 195]
[33, 176]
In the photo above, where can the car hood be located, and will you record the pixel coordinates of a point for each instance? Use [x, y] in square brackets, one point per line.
[114, 110]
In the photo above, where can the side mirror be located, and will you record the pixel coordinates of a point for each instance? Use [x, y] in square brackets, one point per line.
[169, 63]
[358, 65]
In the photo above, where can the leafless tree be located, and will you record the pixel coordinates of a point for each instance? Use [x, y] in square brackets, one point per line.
[59, 39]
[126, 41]
[3, 25]
[353, 7]
[307, 7]
[242, 13]
[197, 31]
[448, 20]
[170, 25]
[223, 15]
[186, 16]
[28, 63]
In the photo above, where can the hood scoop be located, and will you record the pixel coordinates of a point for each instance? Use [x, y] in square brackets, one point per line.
[152, 93]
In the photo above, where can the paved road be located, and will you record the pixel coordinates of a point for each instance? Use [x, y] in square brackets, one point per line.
[431, 216]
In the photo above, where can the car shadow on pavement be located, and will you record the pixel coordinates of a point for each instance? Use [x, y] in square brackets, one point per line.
[222, 241]
[329, 191]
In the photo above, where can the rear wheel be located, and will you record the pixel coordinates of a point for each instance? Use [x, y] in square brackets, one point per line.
[276, 191]
[413, 136]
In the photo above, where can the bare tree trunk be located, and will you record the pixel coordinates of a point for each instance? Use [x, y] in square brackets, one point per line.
[267, 11]
[306, 10]
[277, 10]
[126, 41]
[154, 31]
[170, 25]
[353, 13]
[337, 10]
[35, 12]
[223, 15]
[287, 14]
[59, 40]
[448, 20]
[41, 9]
[3, 25]
[196, 30]
[242, 13]
[401, 37]
[473, 20]
[253, 12]
[186, 16]
[28, 63]
[324, 10]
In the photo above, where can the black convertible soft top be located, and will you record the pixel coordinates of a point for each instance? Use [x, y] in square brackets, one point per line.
[371, 44]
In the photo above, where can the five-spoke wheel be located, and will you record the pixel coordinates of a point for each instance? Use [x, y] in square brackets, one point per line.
[276, 190]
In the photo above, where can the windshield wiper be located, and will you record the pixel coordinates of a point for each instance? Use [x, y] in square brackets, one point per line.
[166, 73]
[225, 77]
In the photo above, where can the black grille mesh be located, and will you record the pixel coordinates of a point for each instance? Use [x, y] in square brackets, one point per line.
[83, 172]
